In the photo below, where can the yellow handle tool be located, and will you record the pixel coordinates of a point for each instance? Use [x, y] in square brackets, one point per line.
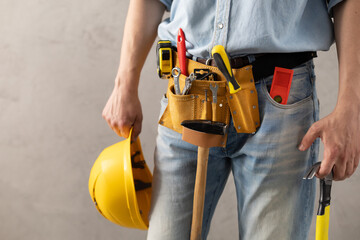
[323, 213]
[222, 61]
[322, 225]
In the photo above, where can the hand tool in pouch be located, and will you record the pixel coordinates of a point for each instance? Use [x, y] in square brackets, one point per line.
[176, 79]
[188, 84]
[222, 61]
[323, 214]
[204, 134]
[164, 58]
[281, 84]
[205, 74]
[214, 89]
[181, 49]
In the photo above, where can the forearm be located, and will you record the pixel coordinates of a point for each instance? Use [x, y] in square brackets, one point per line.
[140, 32]
[347, 35]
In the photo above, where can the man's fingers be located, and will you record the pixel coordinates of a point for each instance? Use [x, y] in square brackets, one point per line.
[136, 130]
[349, 168]
[327, 164]
[313, 133]
[325, 168]
[115, 129]
[124, 129]
[339, 172]
[356, 162]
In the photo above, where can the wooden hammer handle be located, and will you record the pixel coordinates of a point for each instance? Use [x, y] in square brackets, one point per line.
[199, 193]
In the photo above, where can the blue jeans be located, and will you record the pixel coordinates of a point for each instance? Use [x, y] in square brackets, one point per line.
[273, 201]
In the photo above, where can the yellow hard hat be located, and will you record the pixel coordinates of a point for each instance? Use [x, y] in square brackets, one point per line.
[120, 184]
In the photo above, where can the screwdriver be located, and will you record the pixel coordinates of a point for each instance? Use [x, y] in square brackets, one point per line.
[222, 61]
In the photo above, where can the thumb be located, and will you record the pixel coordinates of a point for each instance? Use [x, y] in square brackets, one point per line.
[313, 133]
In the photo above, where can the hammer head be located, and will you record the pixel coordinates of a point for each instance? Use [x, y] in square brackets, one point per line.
[204, 133]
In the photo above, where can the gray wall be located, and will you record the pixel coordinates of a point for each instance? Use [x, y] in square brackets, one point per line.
[58, 60]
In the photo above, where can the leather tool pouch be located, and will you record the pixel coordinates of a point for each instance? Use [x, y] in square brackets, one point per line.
[194, 105]
[243, 105]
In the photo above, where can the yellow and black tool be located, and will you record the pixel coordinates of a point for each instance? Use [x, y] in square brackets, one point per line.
[323, 214]
[164, 58]
[223, 63]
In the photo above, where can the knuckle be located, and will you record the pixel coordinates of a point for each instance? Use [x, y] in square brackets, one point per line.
[341, 178]
[348, 172]
[323, 173]
[339, 175]
[114, 123]
[122, 124]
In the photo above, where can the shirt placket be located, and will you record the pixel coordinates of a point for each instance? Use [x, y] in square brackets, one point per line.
[221, 25]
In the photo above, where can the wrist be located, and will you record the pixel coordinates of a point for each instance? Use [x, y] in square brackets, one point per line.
[348, 96]
[348, 105]
[127, 83]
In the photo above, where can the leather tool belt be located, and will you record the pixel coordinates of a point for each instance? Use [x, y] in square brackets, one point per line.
[242, 105]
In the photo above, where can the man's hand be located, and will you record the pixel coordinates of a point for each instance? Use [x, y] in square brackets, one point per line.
[340, 130]
[340, 133]
[123, 111]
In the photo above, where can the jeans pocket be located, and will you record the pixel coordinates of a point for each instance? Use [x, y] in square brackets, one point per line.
[301, 90]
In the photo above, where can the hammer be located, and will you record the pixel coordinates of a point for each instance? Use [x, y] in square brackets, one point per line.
[204, 134]
[323, 214]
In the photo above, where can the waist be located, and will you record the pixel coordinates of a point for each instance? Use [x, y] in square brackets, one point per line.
[263, 65]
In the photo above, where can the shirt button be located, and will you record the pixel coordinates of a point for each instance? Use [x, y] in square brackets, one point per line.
[220, 25]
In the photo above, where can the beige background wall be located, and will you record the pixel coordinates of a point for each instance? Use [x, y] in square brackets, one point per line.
[58, 60]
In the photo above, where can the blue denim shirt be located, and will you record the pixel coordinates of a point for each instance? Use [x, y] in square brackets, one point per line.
[250, 26]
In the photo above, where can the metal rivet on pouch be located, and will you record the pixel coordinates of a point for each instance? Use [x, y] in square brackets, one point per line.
[252, 91]
[234, 112]
[220, 105]
[256, 123]
[239, 127]
[251, 80]
[247, 69]
[231, 97]
[254, 107]
[161, 122]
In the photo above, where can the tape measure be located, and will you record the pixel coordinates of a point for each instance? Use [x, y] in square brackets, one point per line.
[164, 58]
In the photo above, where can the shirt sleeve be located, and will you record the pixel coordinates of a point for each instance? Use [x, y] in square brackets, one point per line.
[167, 4]
[331, 4]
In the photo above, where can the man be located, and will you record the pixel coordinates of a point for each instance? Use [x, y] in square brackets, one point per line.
[273, 201]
